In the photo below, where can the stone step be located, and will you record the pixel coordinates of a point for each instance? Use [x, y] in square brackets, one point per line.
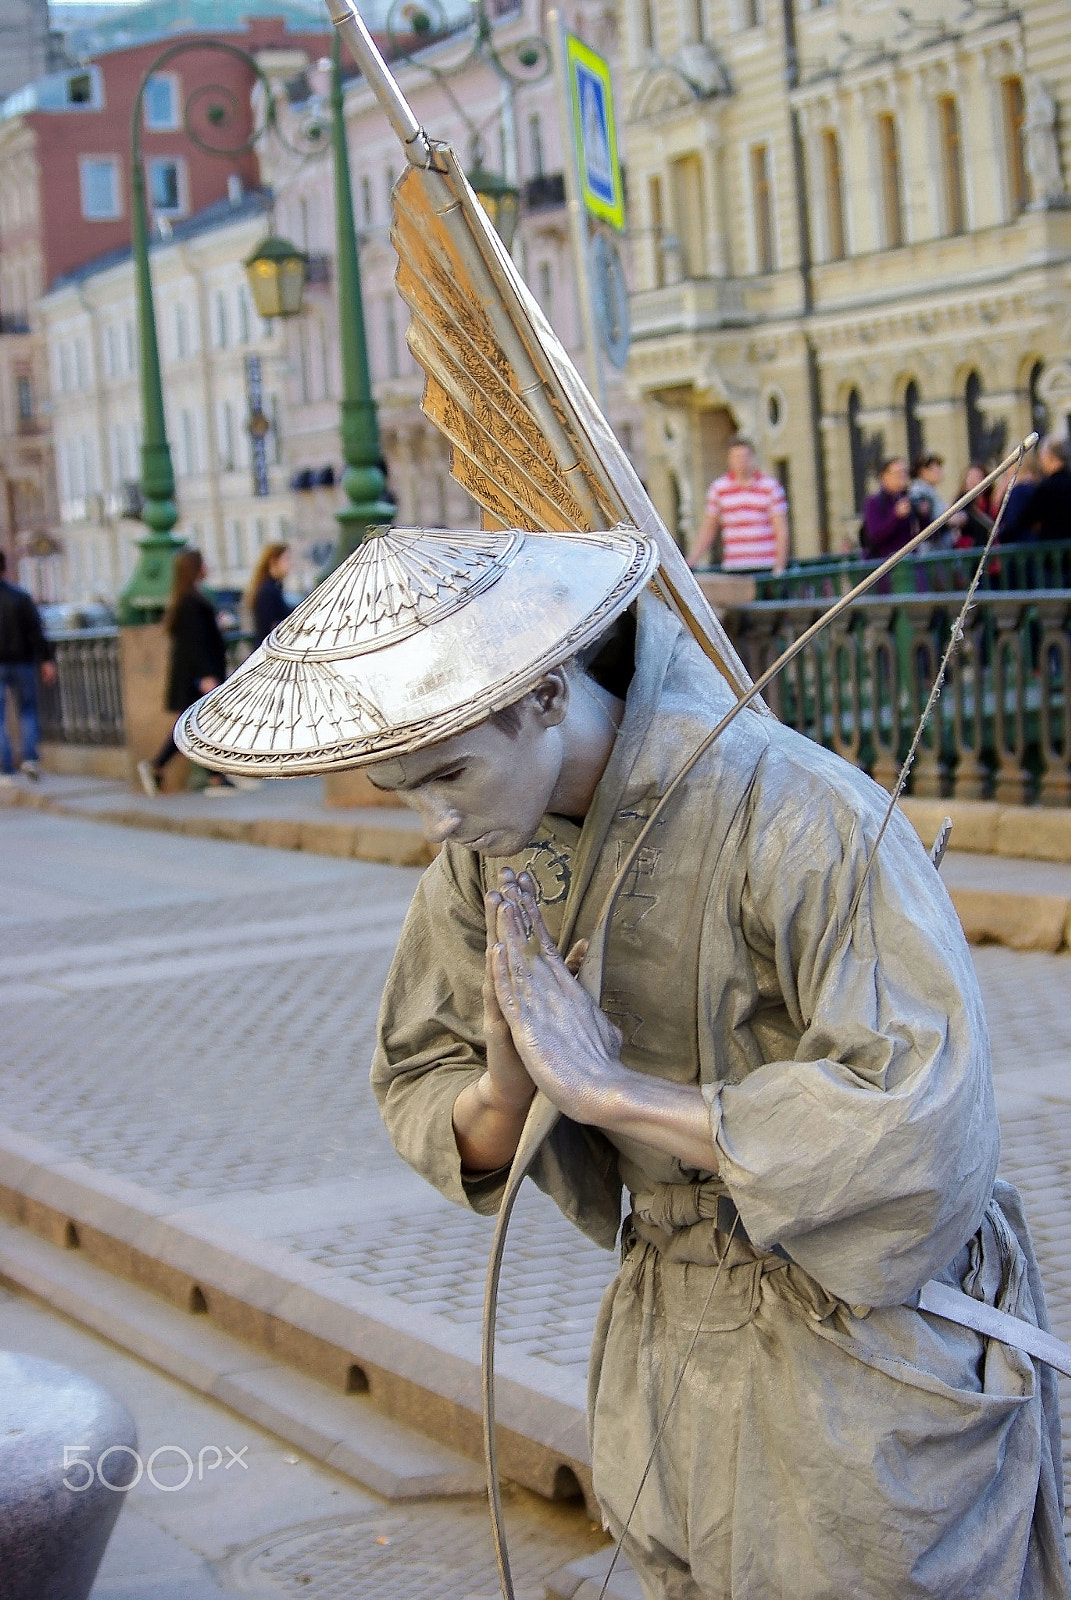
[344, 1431]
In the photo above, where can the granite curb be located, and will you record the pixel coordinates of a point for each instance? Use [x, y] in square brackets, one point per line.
[419, 1373]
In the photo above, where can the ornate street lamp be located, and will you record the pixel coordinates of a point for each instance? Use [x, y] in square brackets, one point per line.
[145, 594]
[276, 272]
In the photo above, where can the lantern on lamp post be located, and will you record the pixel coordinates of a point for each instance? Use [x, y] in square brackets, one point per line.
[276, 271]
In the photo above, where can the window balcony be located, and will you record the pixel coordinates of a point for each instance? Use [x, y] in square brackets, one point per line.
[695, 305]
[13, 322]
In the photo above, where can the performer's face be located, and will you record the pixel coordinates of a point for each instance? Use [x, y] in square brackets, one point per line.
[489, 787]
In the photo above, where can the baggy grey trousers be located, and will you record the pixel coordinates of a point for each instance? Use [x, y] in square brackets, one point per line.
[818, 1454]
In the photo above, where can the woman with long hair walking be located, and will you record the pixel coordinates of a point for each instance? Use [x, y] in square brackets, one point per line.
[198, 660]
[267, 603]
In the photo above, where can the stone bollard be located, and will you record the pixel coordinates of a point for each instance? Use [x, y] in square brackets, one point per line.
[52, 1537]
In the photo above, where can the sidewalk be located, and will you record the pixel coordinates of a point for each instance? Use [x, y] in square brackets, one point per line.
[192, 1165]
[1024, 903]
[222, 1508]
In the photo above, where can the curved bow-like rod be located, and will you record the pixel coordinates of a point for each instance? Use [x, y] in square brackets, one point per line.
[543, 1115]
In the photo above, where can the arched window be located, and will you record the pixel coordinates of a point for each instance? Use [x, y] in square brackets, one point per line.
[1039, 411]
[916, 444]
[857, 448]
[977, 442]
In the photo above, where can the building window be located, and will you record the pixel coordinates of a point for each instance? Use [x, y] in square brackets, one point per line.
[750, 14]
[130, 346]
[64, 369]
[954, 198]
[916, 443]
[658, 228]
[1039, 411]
[977, 435]
[167, 186]
[111, 351]
[535, 145]
[99, 181]
[762, 208]
[857, 449]
[80, 89]
[1013, 103]
[648, 32]
[234, 545]
[366, 202]
[390, 337]
[892, 210]
[222, 328]
[833, 175]
[696, 20]
[545, 279]
[244, 318]
[388, 182]
[81, 366]
[226, 436]
[161, 102]
[24, 397]
[689, 214]
[189, 443]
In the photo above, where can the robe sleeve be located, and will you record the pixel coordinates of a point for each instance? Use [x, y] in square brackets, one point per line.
[430, 1046]
[869, 1156]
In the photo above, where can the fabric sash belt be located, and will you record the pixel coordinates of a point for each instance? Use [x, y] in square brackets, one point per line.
[668, 1208]
[941, 1300]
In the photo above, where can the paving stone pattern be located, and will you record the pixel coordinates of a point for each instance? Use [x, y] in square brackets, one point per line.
[203, 1088]
[552, 1277]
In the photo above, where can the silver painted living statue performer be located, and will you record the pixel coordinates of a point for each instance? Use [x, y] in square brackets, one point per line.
[775, 1084]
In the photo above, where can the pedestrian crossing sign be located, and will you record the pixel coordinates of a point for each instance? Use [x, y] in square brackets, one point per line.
[591, 99]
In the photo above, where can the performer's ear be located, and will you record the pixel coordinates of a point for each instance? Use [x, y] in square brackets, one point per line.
[550, 697]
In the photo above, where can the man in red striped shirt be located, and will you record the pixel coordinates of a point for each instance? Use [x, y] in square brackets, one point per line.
[748, 508]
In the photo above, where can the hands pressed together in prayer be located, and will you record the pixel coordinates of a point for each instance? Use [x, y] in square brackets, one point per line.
[542, 1030]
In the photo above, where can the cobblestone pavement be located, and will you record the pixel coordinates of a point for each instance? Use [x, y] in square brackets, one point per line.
[275, 1525]
[197, 1016]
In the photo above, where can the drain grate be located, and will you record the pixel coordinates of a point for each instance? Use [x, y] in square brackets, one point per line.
[428, 1553]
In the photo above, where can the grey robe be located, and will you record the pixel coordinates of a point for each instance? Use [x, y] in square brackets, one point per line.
[829, 1441]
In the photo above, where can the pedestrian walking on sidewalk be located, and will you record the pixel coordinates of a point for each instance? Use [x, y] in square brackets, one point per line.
[267, 603]
[748, 510]
[24, 651]
[198, 659]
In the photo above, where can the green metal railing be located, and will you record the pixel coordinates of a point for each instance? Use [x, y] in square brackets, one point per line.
[1014, 567]
[1002, 726]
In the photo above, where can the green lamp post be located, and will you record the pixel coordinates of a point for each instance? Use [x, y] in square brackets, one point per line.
[144, 596]
[363, 481]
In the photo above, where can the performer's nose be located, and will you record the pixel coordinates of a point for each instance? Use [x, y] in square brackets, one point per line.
[439, 820]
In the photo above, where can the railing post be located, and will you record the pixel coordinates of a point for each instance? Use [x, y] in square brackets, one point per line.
[1054, 689]
[845, 677]
[1009, 721]
[922, 623]
[969, 776]
[882, 655]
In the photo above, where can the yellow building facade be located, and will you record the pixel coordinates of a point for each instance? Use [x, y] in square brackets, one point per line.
[852, 239]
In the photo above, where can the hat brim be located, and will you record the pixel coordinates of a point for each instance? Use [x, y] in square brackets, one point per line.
[289, 713]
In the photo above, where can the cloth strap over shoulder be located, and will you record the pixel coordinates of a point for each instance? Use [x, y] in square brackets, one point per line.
[941, 1300]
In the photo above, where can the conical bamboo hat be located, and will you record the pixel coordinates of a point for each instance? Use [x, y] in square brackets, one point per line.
[418, 635]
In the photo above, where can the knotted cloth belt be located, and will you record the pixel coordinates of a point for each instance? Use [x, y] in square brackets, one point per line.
[667, 1208]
